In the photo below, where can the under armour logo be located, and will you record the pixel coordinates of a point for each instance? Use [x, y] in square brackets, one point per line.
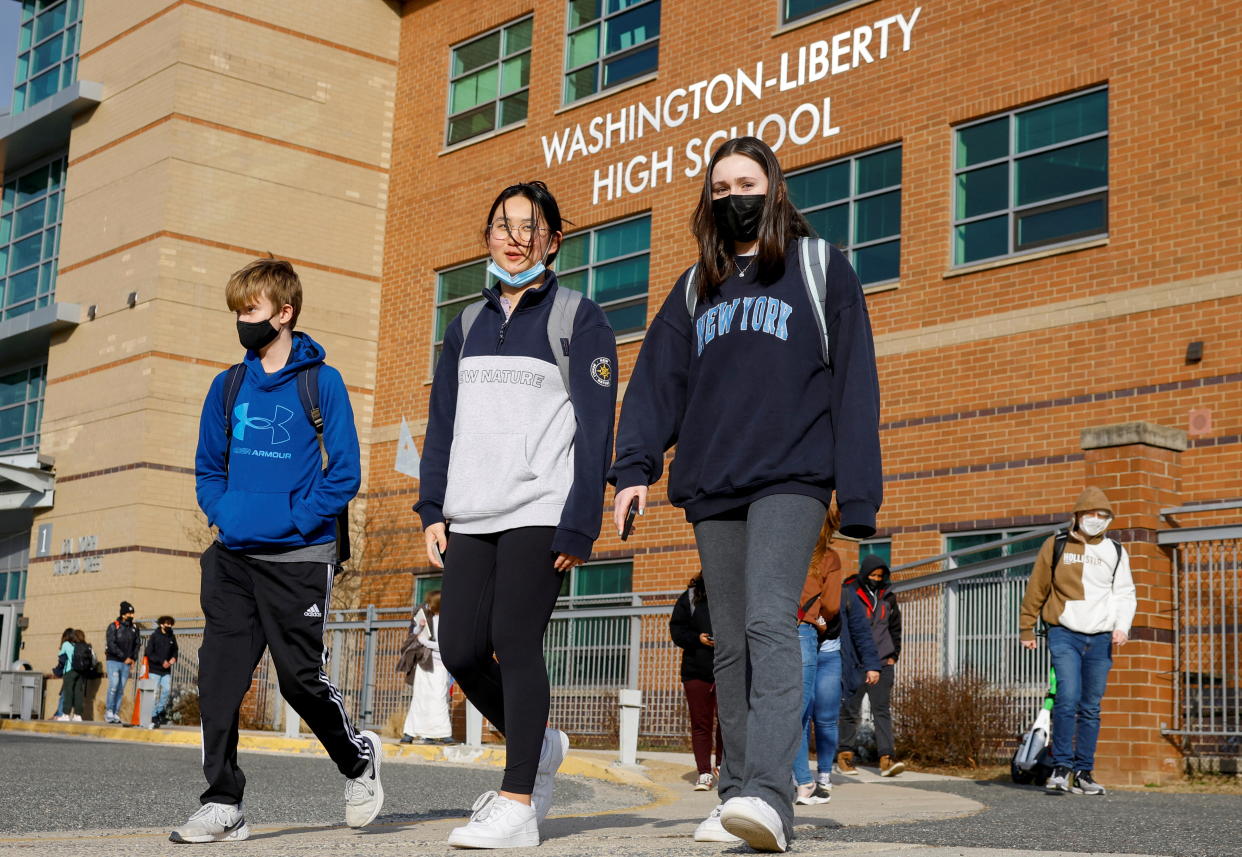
[276, 424]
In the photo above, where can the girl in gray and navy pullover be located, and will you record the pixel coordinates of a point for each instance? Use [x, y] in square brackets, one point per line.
[511, 492]
[765, 433]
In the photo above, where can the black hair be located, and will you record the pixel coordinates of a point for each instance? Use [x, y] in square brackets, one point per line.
[698, 588]
[547, 212]
[780, 224]
[166, 620]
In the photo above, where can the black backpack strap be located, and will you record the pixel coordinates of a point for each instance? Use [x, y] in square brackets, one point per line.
[232, 385]
[308, 395]
[1116, 562]
[1058, 548]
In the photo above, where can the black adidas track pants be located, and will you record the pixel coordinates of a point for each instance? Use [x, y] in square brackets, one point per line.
[250, 605]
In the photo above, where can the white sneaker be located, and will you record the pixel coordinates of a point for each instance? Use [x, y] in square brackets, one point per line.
[497, 822]
[214, 822]
[109, 717]
[551, 755]
[809, 795]
[704, 783]
[711, 830]
[77, 718]
[753, 821]
[365, 795]
[63, 718]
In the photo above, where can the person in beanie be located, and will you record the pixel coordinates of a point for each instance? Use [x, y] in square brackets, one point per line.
[869, 590]
[120, 652]
[691, 629]
[161, 653]
[1082, 589]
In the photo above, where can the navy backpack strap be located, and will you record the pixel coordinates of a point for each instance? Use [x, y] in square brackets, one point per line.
[308, 394]
[232, 385]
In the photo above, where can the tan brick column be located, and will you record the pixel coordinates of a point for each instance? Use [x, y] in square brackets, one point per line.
[1138, 466]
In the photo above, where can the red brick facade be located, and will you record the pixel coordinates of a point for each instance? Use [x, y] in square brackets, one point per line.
[988, 376]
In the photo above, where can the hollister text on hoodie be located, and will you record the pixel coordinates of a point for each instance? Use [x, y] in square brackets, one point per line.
[271, 491]
[507, 444]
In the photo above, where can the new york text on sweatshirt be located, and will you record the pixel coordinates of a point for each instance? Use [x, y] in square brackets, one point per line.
[507, 445]
[743, 392]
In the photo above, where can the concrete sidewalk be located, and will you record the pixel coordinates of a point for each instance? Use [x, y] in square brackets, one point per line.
[662, 823]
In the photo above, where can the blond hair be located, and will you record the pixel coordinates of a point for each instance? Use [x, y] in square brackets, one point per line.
[271, 278]
[832, 523]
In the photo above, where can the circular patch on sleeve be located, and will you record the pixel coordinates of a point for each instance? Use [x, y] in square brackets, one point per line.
[601, 371]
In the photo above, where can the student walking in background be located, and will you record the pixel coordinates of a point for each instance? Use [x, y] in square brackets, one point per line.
[427, 720]
[512, 482]
[869, 591]
[760, 367]
[1081, 587]
[121, 643]
[80, 666]
[161, 654]
[691, 629]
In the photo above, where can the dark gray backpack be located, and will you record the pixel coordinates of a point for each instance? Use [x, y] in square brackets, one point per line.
[560, 326]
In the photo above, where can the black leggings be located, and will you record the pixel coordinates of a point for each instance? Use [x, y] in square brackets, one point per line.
[497, 597]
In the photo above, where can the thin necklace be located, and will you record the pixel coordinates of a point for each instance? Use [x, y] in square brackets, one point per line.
[741, 272]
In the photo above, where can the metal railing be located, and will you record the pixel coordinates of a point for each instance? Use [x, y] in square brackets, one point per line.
[1207, 637]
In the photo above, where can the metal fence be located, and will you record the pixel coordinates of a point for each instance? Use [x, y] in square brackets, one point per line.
[1207, 639]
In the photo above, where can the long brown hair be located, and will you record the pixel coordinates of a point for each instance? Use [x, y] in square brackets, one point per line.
[432, 605]
[780, 223]
[832, 522]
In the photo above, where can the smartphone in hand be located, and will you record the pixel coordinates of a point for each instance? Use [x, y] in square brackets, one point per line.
[630, 514]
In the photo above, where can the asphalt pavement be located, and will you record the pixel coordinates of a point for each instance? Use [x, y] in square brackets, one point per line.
[91, 796]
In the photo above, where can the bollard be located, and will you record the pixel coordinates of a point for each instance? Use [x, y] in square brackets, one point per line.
[474, 726]
[630, 701]
[29, 683]
[293, 724]
[145, 703]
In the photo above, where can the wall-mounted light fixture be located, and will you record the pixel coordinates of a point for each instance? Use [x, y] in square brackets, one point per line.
[1194, 352]
[132, 300]
[90, 313]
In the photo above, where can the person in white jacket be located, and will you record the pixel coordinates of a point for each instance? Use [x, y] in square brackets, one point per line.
[1082, 588]
[428, 718]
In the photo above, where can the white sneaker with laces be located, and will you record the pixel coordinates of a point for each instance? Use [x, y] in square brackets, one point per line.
[77, 718]
[704, 783]
[497, 822]
[753, 821]
[551, 755]
[214, 822]
[364, 795]
[711, 830]
[809, 795]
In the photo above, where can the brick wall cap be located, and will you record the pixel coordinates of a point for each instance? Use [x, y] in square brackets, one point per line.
[1124, 434]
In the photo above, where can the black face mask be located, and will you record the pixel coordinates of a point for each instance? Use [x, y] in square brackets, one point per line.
[738, 215]
[256, 334]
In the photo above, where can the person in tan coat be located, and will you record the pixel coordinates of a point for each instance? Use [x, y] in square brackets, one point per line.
[1082, 589]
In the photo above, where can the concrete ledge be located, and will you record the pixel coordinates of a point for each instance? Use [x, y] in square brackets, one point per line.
[1125, 434]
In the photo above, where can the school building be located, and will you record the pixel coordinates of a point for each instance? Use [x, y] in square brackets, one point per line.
[1041, 201]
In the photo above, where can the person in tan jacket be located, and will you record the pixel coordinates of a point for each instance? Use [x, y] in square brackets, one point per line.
[1082, 589]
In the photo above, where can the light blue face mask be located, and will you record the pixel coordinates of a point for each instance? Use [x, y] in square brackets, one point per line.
[516, 280]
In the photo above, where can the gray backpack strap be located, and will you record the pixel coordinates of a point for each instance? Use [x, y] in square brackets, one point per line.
[813, 256]
[561, 328]
[692, 291]
[468, 317]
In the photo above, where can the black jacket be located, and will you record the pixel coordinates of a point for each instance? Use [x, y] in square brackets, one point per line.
[160, 647]
[122, 641]
[858, 652]
[685, 627]
[881, 606]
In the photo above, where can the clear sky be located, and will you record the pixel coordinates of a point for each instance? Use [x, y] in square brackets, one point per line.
[10, 14]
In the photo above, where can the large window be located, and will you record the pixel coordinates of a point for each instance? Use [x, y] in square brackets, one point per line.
[455, 289]
[490, 81]
[609, 42]
[14, 557]
[591, 651]
[794, 10]
[47, 50]
[30, 237]
[609, 264]
[21, 408]
[883, 548]
[424, 586]
[1031, 178]
[855, 204]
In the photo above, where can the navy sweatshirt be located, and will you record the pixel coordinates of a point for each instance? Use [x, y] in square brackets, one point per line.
[743, 392]
[507, 445]
[274, 492]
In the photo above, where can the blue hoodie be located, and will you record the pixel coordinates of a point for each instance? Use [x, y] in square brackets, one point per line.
[273, 495]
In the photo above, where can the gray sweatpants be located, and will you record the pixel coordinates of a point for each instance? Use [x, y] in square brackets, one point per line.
[754, 567]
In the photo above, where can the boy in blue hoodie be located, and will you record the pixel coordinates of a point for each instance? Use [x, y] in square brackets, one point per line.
[267, 579]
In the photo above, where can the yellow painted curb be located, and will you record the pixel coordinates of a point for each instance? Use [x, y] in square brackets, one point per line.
[489, 754]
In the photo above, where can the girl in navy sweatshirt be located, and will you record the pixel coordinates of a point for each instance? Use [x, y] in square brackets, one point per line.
[512, 490]
[769, 420]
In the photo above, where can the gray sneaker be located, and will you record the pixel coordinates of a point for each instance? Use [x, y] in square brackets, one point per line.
[1058, 780]
[1085, 784]
[364, 795]
[214, 822]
